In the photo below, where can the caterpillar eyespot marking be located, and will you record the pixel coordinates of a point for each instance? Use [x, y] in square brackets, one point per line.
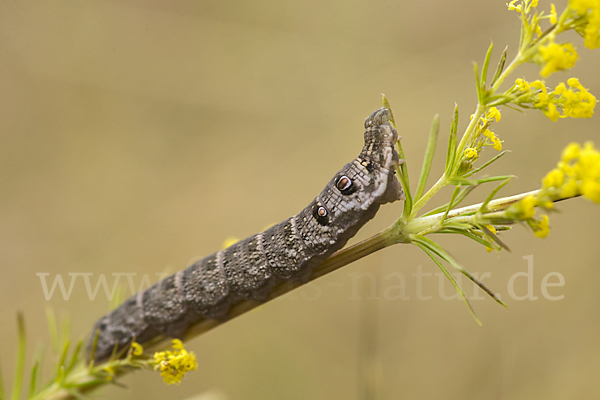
[250, 268]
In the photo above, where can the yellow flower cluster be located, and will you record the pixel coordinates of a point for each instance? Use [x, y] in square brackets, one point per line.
[524, 210]
[529, 4]
[575, 102]
[174, 364]
[481, 138]
[578, 172]
[495, 142]
[590, 30]
[493, 114]
[541, 227]
[557, 57]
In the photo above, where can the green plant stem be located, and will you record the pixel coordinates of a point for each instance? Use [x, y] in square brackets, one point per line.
[426, 225]
[443, 181]
[517, 61]
[82, 380]
[479, 111]
[398, 232]
[20, 367]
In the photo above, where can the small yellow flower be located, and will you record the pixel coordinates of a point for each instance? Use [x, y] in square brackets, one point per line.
[493, 113]
[588, 169]
[512, 7]
[557, 57]
[528, 204]
[493, 230]
[471, 153]
[497, 143]
[542, 95]
[541, 228]
[554, 178]
[569, 189]
[552, 14]
[571, 152]
[137, 349]
[110, 370]
[523, 209]
[173, 364]
[591, 190]
[522, 85]
[551, 112]
[548, 205]
[538, 30]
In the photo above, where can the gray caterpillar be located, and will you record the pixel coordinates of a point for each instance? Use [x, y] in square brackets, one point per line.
[250, 268]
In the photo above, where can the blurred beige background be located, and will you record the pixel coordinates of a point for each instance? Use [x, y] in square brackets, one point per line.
[137, 135]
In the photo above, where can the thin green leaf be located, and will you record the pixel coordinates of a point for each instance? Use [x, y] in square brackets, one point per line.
[33, 381]
[428, 158]
[480, 181]
[468, 234]
[451, 279]
[463, 194]
[451, 203]
[117, 299]
[39, 360]
[500, 66]
[437, 210]
[517, 108]
[115, 351]
[451, 153]
[451, 224]
[488, 232]
[65, 330]
[484, 205]
[462, 181]
[89, 384]
[75, 356]
[489, 179]
[2, 395]
[52, 328]
[20, 368]
[402, 172]
[93, 350]
[486, 64]
[61, 361]
[386, 104]
[479, 89]
[501, 100]
[476, 170]
[495, 220]
[446, 256]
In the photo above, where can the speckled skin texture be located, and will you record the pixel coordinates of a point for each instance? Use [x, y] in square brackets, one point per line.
[250, 268]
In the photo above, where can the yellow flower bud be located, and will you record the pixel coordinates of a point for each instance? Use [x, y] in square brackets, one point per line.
[554, 178]
[541, 228]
